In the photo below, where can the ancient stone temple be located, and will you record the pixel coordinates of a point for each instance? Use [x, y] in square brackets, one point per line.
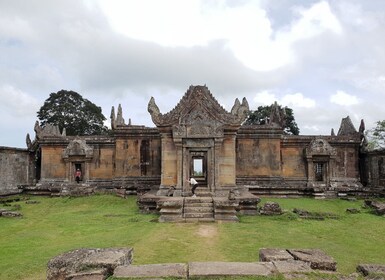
[231, 161]
[198, 139]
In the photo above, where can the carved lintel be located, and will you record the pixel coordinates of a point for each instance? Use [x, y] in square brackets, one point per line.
[320, 147]
[79, 149]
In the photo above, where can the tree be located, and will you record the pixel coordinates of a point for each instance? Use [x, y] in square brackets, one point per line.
[69, 110]
[262, 115]
[375, 137]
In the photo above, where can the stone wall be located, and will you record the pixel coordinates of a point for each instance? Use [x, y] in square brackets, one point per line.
[16, 168]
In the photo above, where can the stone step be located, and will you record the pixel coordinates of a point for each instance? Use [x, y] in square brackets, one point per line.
[199, 220]
[178, 270]
[198, 215]
[199, 204]
[198, 210]
[198, 200]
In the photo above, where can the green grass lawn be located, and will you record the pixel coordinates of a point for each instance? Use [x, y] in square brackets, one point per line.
[57, 225]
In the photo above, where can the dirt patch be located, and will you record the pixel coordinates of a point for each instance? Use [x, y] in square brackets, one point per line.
[207, 231]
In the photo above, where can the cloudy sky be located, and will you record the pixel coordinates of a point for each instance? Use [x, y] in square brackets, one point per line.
[323, 59]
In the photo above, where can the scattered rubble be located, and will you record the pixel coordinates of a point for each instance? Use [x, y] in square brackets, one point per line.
[314, 215]
[377, 206]
[372, 270]
[270, 209]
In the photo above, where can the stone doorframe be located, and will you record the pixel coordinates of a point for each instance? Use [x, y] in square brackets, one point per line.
[189, 148]
[77, 152]
[320, 152]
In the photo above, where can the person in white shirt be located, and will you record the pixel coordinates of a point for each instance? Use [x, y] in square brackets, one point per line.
[194, 184]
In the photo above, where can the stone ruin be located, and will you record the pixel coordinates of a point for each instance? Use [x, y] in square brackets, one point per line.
[99, 264]
[234, 163]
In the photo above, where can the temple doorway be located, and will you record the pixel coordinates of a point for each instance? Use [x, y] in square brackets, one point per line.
[198, 167]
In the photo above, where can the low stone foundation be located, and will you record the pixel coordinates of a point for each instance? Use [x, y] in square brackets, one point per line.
[88, 263]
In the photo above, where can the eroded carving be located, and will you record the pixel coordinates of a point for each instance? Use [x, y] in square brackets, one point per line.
[47, 130]
[320, 147]
[199, 106]
[78, 148]
[277, 115]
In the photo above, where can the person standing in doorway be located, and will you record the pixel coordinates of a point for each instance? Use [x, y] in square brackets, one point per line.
[78, 175]
[194, 185]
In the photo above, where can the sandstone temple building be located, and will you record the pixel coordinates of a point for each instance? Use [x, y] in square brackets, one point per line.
[200, 139]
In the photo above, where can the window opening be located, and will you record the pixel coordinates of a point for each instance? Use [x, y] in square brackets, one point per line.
[198, 167]
[319, 171]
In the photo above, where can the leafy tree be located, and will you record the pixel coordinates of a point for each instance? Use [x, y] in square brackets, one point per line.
[375, 137]
[262, 115]
[69, 110]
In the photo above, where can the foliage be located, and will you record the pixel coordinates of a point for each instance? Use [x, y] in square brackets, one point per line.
[376, 137]
[57, 225]
[69, 110]
[260, 116]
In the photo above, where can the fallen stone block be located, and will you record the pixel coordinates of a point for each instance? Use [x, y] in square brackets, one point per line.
[86, 260]
[371, 269]
[353, 210]
[32, 202]
[209, 269]
[271, 209]
[292, 266]
[152, 270]
[2, 210]
[11, 214]
[377, 206]
[316, 257]
[274, 254]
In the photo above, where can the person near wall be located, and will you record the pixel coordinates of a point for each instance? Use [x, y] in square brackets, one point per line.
[78, 175]
[194, 185]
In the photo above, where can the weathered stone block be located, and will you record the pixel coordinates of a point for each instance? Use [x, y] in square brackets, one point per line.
[353, 210]
[271, 208]
[152, 270]
[292, 266]
[11, 214]
[317, 258]
[267, 255]
[371, 269]
[87, 260]
[209, 269]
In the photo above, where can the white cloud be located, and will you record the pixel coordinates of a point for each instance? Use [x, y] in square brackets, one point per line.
[343, 99]
[265, 98]
[245, 28]
[298, 100]
[17, 102]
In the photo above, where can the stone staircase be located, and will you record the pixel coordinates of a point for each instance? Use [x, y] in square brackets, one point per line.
[200, 208]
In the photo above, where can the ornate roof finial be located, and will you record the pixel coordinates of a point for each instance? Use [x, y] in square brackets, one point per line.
[119, 117]
[362, 127]
[112, 117]
[277, 115]
[154, 111]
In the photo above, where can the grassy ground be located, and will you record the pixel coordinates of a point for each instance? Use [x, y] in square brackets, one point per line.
[57, 225]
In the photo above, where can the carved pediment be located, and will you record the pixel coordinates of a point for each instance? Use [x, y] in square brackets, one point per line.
[320, 147]
[78, 148]
[48, 130]
[197, 108]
